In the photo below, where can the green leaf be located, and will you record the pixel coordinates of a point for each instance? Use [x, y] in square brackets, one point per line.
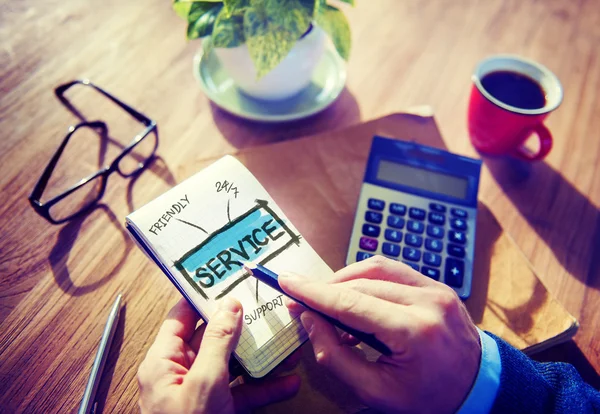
[228, 31]
[236, 6]
[272, 27]
[182, 7]
[333, 21]
[350, 2]
[201, 18]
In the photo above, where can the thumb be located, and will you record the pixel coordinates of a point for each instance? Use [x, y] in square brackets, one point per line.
[220, 339]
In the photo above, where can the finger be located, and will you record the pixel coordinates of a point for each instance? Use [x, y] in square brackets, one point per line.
[330, 352]
[392, 292]
[219, 340]
[355, 309]
[381, 268]
[181, 322]
[294, 307]
[348, 340]
[247, 397]
[197, 338]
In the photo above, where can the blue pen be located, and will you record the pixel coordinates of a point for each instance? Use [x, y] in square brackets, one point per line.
[271, 278]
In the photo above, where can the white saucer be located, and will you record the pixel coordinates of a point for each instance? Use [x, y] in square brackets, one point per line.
[327, 83]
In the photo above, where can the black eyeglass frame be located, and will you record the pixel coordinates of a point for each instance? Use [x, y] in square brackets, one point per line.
[43, 209]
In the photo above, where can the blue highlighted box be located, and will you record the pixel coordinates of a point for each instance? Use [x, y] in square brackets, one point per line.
[257, 236]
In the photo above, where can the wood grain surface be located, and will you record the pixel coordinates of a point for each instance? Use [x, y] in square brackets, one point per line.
[58, 282]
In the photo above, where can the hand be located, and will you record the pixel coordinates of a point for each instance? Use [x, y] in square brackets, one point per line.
[186, 369]
[435, 345]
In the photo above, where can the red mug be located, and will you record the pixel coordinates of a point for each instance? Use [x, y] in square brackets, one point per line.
[499, 128]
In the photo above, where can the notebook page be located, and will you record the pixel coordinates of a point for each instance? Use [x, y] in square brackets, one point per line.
[204, 229]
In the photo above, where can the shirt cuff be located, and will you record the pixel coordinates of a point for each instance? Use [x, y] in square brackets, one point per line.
[483, 393]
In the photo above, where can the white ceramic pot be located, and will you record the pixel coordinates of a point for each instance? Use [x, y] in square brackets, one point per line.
[287, 79]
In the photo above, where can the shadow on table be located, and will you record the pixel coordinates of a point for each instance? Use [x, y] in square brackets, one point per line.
[157, 167]
[242, 133]
[65, 241]
[561, 215]
[111, 362]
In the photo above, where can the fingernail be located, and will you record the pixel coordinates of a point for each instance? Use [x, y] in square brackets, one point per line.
[308, 322]
[230, 305]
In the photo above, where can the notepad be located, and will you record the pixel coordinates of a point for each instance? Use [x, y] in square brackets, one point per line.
[202, 231]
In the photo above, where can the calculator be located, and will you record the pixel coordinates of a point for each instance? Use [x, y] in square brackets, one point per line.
[418, 205]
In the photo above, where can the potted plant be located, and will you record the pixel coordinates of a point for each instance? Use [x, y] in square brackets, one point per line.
[270, 48]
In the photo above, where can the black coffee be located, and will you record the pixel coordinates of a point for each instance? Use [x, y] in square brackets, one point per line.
[514, 89]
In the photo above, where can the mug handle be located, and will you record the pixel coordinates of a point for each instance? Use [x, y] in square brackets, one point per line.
[545, 143]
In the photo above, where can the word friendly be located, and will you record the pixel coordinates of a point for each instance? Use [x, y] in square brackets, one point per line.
[258, 312]
[227, 187]
[175, 209]
[256, 236]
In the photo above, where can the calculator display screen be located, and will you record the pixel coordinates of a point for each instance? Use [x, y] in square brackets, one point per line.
[422, 179]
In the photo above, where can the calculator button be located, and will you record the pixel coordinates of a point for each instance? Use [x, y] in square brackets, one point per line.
[362, 256]
[375, 204]
[437, 218]
[437, 207]
[398, 209]
[432, 259]
[413, 265]
[433, 245]
[373, 217]
[395, 222]
[393, 235]
[458, 224]
[454, 272]
[455, 250]
[391, 249]
[368, 244]
[459, 212]
[371, 230]
[430, 272]
[416, 213]
[408, 253]
[415, 226]
[457, 237]
[413, 240]
[435, 231]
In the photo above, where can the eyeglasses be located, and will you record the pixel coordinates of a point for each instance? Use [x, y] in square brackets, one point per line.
[81, 197]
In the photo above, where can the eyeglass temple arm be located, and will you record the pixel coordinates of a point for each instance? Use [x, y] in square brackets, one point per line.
[60, 90]
[40, 186]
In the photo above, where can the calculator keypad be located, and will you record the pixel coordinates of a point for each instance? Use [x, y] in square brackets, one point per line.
[433, 238]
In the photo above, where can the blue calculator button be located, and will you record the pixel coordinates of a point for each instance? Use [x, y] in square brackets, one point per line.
[458, 224]
[459, 212]
[368, 244]
[435, 231]
[408, 253]
[398, 209]
[393, 235]
[434, 245]
[371, 230]
[432, 259]
[413, 240]
[437, 207]
[454, 272]
[457, 251]
[457, 237]
[437, 218]
[416, 213]
[415, 226]
[413, 265]
[360, 256]
[395, 222]
[430, 272]
[390, 249]
[375, 204]
[373, 217]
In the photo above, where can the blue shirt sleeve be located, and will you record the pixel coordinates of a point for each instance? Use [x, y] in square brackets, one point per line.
[483, 393]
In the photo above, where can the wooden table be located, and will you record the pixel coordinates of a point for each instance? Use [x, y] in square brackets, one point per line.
[58, 282]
